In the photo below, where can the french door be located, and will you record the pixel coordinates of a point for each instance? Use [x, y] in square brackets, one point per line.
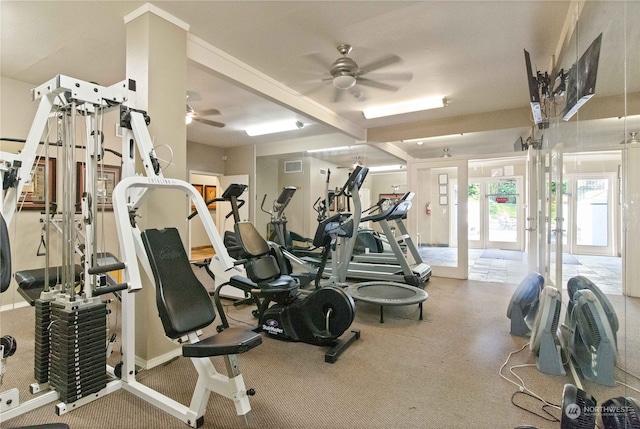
[495, 214]
[590, 214]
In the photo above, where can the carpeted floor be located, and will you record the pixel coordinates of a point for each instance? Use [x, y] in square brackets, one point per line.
[441, 372]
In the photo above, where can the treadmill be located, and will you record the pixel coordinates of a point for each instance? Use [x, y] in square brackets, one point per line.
[401, 271]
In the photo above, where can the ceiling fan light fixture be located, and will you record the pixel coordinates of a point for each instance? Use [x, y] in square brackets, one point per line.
[344, 81]
[407, 107]
[273, 127]
[188, 119]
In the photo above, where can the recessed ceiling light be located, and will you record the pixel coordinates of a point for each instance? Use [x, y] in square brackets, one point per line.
[420, 143]
[407, 107]
[273, 127]
[329, 149]
[381, 168]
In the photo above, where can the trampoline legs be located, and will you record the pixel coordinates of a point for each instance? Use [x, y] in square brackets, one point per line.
[382, 312]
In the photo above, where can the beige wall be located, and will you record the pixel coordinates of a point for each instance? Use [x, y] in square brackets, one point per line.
[242, 160]
[205, 158]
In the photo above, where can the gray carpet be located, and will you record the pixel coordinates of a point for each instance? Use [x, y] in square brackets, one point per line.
[441, 372]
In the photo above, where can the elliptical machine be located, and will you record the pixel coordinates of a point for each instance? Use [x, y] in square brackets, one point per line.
[319, 318]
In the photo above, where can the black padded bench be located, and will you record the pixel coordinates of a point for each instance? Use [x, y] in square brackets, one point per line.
[183, 302]
[31, 282]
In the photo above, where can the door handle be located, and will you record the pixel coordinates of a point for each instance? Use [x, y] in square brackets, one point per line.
[529, 229]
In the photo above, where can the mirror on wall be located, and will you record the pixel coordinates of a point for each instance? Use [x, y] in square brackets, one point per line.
[315, 173]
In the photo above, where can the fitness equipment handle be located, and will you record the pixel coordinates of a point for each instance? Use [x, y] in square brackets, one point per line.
[195, 212]
[108, 289]
[377, 205]
[262, 205]
[101, 269]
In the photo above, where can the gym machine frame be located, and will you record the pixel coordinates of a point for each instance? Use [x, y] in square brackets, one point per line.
[16, 168]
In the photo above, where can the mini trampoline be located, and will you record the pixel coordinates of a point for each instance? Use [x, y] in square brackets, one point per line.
[387, 293]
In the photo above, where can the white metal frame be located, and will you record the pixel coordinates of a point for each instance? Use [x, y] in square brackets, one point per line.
[89, 98]
[209, 380]
[56, 92]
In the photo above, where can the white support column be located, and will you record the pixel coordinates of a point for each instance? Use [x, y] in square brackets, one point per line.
[156, 49]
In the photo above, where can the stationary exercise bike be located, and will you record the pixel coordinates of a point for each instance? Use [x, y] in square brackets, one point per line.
[283, 312]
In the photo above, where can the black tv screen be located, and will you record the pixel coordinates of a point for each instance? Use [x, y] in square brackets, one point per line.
[519, 146]
[534, 93]
[581, 85]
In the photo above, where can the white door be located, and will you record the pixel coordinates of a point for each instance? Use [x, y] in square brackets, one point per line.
[593, 214]
[495, 213]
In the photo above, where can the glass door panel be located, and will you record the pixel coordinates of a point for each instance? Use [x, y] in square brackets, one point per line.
[594, 216]
[474, 216]
[502, 215]
[555, 224]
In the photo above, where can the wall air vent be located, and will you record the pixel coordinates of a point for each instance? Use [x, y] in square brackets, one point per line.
[293, 166]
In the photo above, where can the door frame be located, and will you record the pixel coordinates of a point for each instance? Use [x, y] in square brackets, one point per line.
[461, 270]
[612, 215]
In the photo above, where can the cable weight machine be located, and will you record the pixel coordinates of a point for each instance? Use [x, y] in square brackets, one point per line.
[81, 313]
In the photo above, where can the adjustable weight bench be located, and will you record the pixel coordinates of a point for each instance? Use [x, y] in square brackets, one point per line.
[185, 307]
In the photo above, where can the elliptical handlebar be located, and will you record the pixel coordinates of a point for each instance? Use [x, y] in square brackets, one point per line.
[355, 180]
[230, 195]
[262, 206]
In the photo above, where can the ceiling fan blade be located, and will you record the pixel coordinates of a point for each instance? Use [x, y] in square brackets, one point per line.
[314, 89]
[317, 59]
[208, 122]
[193, 96]
[384, 62]
[337, 96]
[209, 112]
[375, 84]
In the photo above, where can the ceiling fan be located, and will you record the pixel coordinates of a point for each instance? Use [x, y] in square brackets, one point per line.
[192, 115]
[633, 138]
[346, 73]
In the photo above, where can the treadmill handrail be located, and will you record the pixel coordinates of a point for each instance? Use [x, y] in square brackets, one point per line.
[395, 211]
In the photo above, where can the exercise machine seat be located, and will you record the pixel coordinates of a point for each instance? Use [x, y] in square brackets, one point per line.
[31, 282]
[227, 342]
[183, 302]
[265, 265]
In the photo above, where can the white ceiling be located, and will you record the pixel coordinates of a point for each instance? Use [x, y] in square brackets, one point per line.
[469, 51]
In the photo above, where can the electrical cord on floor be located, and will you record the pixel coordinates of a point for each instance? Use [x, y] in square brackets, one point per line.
[235, 320]
[549, 417]
[627, 372]
[522, 389]
[627, 386]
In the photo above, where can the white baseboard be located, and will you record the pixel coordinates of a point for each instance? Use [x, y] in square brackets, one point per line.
[159, 360]
[8, 307]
